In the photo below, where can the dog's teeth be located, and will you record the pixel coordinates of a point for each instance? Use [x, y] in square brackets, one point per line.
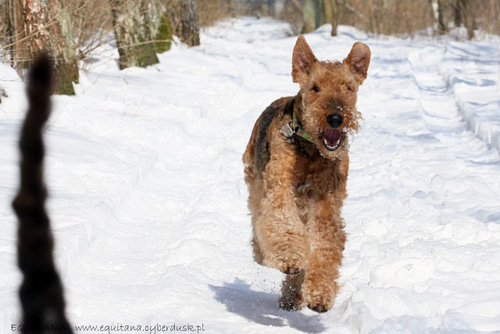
[334, 147]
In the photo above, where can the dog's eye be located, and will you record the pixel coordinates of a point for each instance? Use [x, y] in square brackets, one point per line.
[350, 88]
[316, 89]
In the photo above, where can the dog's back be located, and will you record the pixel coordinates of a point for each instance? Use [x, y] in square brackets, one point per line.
[257, 153]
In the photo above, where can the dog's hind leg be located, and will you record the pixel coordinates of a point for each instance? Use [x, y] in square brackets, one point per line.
[257, 252]
[291, 292]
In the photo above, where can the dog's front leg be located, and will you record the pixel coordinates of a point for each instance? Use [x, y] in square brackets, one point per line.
[281, 235]
[327, 238]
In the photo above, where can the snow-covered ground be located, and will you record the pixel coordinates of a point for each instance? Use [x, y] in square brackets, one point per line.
[148, 201]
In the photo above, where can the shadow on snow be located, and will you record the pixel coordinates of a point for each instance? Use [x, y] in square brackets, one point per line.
[262, 307]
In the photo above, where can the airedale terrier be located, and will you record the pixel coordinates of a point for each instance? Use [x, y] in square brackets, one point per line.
[296, 166]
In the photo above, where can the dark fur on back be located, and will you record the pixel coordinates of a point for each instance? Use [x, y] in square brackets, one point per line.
[41, 292]
[278, 108]
[262, 153]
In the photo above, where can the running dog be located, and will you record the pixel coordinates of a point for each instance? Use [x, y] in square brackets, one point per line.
[296, 167]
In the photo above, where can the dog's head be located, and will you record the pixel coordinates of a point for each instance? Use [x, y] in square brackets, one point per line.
[329, 93]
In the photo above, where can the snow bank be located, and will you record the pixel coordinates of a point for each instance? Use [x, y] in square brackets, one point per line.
[473, 72]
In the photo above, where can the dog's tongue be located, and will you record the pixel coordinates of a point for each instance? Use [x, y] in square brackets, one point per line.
[332, 136]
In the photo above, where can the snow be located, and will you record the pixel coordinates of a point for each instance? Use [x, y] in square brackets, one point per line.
[148, 202]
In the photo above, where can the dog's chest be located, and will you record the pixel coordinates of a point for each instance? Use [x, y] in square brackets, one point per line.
[317, 179]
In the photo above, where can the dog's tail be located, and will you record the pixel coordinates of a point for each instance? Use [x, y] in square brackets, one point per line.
[41, 292]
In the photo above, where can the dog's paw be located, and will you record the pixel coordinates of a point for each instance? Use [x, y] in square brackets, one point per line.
[289, 305]
[291, 300]
[320, 304]
[320, 298]
[290, 268]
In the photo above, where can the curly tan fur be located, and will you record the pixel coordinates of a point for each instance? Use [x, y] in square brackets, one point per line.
[296, 186]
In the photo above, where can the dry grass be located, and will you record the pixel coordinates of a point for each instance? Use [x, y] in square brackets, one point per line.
[211, 11]
[488, 16]
[386, 17]
[396, 17]
[91, 24]
[408, 17]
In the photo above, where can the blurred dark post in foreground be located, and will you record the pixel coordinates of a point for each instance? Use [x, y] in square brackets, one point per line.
[41, 291]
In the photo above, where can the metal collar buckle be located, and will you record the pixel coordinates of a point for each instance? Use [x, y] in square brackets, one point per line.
[287, 131]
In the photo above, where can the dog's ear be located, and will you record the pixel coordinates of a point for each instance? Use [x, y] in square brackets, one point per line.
[302, 60]
[358, 60]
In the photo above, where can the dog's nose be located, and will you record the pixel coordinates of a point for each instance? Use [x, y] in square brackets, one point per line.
[335, 120]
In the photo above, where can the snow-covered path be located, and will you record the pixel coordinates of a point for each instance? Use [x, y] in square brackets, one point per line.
[148, 201]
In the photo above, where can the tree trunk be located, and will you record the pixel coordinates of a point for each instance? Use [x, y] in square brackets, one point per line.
[37, 26]
[190, 29]
[10, 29]
[469, 15]
[465, 13]
[136, 26]
[437, 11]
[331, 14]
[271, 8]
[457, 13]
[29, 37]
[372, 18]
[63, 48]
[164, 36]
[312, 15]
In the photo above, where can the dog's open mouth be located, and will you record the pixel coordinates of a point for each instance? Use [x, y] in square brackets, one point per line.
[332, 139]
